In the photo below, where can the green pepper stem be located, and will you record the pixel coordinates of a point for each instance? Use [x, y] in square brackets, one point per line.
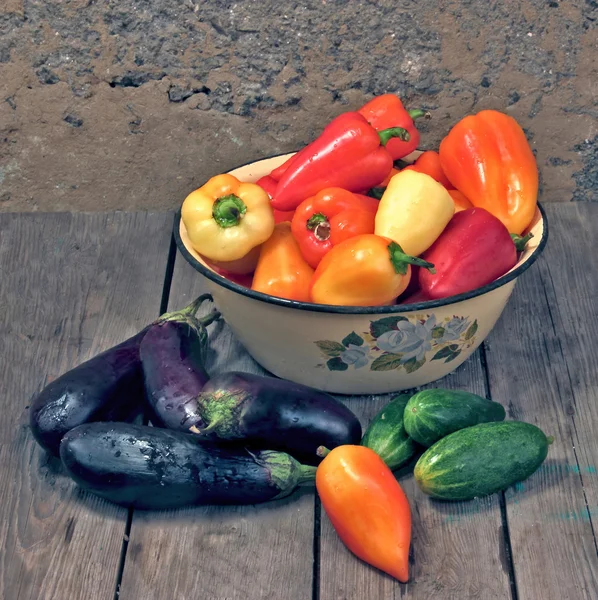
[307, 474]
[322, 451]
[228, 210]
[393, 132]
[418, 113]
[550, 440]
[520, 242]
[315, 220]
[400, 260]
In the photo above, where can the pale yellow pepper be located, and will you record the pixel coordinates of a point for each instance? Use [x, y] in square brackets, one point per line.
[413, 211]
[226, 218]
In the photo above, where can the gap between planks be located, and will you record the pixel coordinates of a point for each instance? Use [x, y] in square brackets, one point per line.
[168, 272]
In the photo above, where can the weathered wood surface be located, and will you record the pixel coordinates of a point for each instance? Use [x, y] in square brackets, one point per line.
[89, 281]
[543, 366]
[448, 539]
[235, 553]
[70, 286]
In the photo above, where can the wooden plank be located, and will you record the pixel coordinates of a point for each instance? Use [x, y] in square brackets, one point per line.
[72, 285]
[217, 553]
[542, 364]
[457, 548]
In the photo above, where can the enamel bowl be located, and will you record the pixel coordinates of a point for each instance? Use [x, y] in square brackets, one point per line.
[359, 350]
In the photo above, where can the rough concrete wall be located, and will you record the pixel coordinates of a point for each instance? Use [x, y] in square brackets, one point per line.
[127, 104]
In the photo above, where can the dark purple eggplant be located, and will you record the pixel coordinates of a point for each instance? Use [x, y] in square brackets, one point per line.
[276, 414]
[153, 468]
[172, 355]
[107, 387]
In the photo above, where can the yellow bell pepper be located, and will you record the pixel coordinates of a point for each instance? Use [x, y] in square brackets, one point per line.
[226, 218]
[413, 211]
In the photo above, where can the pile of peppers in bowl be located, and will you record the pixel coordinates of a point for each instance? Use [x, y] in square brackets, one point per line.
[344, 222]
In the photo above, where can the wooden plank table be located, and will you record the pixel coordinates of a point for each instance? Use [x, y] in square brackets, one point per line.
[73, 285]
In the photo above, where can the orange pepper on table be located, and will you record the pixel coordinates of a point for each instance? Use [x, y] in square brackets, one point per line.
[428, 162]
[367, 508]
[365, 270]
[488, 158]
[281, 269]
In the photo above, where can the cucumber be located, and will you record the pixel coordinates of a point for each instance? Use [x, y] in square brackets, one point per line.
[386, 434]
[432, 414]
[481, 460]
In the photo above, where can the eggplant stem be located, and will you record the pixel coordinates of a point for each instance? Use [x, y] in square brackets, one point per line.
[307, 474]
[213, 425]
[213, 316]
[194, 306]
[188, 311]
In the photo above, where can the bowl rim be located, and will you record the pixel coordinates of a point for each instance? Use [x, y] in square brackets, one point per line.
[354, 310]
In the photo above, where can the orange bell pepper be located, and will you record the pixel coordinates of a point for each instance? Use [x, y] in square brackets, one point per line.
[429, 163]
[365, 270]
[367, 508]
[461, 202]
[281, 269]
[488, 158]
[392, 173]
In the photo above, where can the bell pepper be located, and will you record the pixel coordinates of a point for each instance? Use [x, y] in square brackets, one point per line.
[387, 111]
[349, 154]
[268, 184]
[413, 211]
[330, 217]
[237, 270]
[367, 507]
[365, 270]
[385, 183]
[226, 218]
[428, 162]
[488, 158]
[474, 250]
[461, 202]
[281, 269]
[278, 171]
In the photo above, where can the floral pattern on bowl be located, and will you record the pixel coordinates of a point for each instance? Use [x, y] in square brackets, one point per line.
[399, 342]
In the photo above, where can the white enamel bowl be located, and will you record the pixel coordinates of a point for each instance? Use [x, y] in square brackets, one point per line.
[359, 350]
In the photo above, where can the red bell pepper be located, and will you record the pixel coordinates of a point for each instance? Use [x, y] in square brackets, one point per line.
[474, 249]
[278, 172]
[429, 163]
[268, 184]
[349, 154]
[387, 111]
[330, 217]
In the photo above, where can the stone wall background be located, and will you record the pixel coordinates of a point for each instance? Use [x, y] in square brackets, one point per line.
[131, 104]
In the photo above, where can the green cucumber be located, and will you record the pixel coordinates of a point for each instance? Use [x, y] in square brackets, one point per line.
[432, 414]
[481, 460]
[386, 434]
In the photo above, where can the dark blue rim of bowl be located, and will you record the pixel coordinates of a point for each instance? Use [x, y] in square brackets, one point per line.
[357, 310]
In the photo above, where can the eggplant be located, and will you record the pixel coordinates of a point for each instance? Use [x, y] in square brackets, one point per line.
[107, 387]
[153, 468]
[172, 355]
[276, 414]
